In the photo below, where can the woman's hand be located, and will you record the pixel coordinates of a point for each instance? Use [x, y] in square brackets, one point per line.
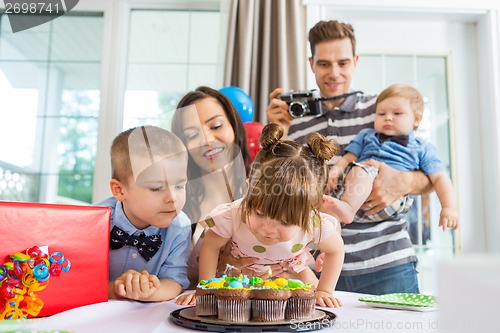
[240, 264]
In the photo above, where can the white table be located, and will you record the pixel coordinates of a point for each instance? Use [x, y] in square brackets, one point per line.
[136, 317]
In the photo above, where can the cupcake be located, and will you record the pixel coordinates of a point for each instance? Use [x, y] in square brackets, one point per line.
[302, 300]
[269, 300]
[239, 299]
[206, 304]
[233, 300]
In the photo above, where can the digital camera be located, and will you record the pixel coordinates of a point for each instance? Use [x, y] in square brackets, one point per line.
[302, 103]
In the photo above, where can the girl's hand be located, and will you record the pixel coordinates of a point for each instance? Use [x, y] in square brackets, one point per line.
[325, 299]
[320, 259]
[187, 299]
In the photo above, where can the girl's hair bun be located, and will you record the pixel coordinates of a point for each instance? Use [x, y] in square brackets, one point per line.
[271, 135]
[321, 146]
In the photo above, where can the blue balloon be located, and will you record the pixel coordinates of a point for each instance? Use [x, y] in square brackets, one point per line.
[241, 101]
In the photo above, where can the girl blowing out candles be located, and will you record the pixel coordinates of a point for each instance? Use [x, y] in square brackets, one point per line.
[280, 216]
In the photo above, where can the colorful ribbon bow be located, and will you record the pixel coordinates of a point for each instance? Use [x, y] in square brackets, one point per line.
[26, 273]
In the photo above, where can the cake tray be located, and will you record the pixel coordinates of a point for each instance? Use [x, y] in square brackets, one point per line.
[186, 317]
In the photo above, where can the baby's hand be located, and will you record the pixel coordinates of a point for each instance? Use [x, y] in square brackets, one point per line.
[333, 177]
[325, 299]
[136, 285]
[187, 299]
[448, 218]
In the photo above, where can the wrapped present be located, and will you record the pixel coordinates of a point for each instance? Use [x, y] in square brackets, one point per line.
[80, 233]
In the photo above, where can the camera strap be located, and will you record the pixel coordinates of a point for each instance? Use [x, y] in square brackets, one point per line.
[338, 97]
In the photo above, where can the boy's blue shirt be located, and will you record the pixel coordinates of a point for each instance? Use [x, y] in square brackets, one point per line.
[170, 262]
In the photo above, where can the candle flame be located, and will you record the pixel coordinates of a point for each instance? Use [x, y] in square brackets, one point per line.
[270, 272]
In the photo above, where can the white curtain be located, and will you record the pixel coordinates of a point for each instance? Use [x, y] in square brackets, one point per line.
[266, 49]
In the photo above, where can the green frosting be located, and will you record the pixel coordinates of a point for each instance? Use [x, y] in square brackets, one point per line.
[230, 279]
[293, 283]
[255, 280]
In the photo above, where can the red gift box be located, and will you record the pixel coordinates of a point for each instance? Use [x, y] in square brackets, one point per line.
[81, 233]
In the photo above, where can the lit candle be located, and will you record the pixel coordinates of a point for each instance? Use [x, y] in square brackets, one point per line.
[270, 273]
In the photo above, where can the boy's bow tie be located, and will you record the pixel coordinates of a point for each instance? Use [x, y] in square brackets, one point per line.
[146, 245]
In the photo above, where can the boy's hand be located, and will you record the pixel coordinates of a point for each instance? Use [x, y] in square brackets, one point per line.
[186, 299]
[448, 218]
[119, 283]
[136, 285]
[325, 299]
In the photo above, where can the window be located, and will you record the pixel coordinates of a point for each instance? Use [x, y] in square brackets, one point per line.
[170, 53]
[50, 95]
[51, 86]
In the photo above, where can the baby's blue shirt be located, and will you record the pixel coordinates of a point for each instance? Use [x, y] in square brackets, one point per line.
[417, 155]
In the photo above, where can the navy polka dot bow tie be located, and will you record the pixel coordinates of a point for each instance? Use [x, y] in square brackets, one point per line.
[401, 139]
[146, 245]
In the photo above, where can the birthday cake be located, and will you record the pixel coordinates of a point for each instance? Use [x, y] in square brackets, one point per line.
[239, 299]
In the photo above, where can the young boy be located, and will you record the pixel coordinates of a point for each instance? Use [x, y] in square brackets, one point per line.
[399, 110]
[150, 236]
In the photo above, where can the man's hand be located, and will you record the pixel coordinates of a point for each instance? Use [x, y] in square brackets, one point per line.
[389, 185]
[277, 111]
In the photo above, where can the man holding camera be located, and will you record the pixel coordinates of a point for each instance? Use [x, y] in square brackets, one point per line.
[379, 256]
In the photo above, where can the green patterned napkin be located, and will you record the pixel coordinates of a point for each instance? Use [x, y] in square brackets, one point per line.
[402, 299]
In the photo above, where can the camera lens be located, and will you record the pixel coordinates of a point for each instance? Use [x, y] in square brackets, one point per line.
[297, 109]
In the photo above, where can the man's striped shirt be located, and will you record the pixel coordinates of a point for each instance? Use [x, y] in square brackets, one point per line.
[369, 247]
